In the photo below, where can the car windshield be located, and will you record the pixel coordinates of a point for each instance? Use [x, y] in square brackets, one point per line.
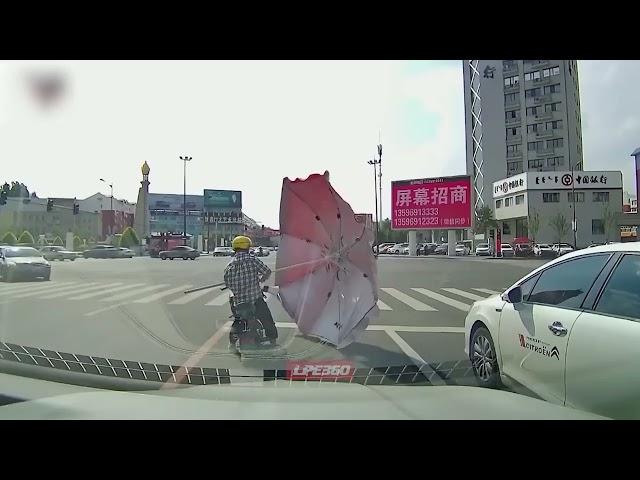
[21, 252]
[206, 224]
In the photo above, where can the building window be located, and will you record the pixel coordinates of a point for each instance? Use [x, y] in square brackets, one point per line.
[536, 163]
[597, 227]
[533, 128]
[551, 89]
[551, 197]
[512, 132]
[532, 75]
[519, 199]
[579, 197]
[535, 146]
[513, 150]
[509, 64]
[508, 201]
[510, 97]
[532, 92]
[600, 197]
[547, 72]
[552, 107]
[506, 229]
[555, 161]
[555, 143]
[512, 115]
[532, 111]
[514, 167]
[511, 81]
[498, 203]
[554, 125]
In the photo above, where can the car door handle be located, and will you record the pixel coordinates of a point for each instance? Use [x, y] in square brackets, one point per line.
[557, 329]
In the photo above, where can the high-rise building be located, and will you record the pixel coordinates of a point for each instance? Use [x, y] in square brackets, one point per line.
[520, 116]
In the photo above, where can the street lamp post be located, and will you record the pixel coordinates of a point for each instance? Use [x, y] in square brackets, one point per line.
[185, 159]
[375, 194]
[380, 175]
[113, 215]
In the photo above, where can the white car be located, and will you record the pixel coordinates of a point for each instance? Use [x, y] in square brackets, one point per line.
[507, 250]
[568, 331]
[483, 249]
[23, 262]
[543, 250]
[562, 248]
[222, 252]
[462, 249]
[398, 248]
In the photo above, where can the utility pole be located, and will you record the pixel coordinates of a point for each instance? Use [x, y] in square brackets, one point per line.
[375, 194]
[185, 159]
[113, 214]
[380, 173]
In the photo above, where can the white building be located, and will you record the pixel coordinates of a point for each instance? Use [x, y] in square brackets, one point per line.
[517, 200]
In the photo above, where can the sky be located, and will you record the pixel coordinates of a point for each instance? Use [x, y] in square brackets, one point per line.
[249, 124]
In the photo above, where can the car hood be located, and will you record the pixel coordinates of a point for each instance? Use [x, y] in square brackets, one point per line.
[297, 400]
[26, 260]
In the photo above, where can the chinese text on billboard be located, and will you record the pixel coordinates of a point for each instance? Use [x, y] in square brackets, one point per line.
[430, 203]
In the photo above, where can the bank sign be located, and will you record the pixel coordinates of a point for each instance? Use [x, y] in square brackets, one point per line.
[604, 180]
[222, 199]
[431, 203]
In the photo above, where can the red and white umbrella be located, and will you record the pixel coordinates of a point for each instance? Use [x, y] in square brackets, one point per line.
[325, 269]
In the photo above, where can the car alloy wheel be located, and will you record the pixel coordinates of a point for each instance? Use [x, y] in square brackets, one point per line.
[483, 358]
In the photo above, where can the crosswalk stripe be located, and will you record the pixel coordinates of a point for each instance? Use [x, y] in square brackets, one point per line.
[133, 293]
[29, 286]
[412, 302]
[165, 293]
[462, 293]
[486, 290]
[41, 290]
[441, 298]
[103, 292]
[220, 299]
[383, 306]
[189, 297]
[86, 288]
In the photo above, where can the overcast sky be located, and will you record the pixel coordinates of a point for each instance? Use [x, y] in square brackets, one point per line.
[248, 125]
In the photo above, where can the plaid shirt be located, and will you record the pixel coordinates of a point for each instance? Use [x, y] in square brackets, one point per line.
[243, 276]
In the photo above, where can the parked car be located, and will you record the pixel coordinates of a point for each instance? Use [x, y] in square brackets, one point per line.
[23, 262]
[507, 250]
[523, 250]
[102, 251]
[543, 250]
[426, 248]
[483, 250]
[53, 252]
[181, 251]
[260, 252]
[398, 248]
[126, 252]
[222, 251]
[568, 331]
[562, 248]
[385, 247]
[441, 249]
[462, 249]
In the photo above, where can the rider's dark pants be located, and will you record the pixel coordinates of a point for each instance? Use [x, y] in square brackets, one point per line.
[264, 315]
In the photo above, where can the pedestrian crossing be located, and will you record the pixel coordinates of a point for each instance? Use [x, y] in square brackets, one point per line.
[418, 299]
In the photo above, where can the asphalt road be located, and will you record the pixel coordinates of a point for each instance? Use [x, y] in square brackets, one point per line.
[134, 309]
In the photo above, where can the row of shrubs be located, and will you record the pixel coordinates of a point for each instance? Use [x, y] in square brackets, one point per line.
[128, 239]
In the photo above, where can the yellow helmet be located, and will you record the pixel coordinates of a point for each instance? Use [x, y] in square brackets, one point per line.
[241, 242]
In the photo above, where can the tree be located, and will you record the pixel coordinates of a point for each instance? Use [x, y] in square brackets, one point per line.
[484, 220]
[26, 237]
[58, 242]
[9, 238]
[129, 238]
[610, 222]
[77, 243]
[560, 226]
[534, 224]
[16, 190]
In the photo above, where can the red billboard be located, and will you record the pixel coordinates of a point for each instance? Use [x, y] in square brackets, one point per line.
[431, 203]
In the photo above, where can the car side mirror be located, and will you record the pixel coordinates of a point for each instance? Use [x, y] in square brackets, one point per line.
[515, 295]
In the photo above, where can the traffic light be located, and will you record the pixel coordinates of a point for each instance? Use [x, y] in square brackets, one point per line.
[49, 205]
[262, 228]
[76, 209]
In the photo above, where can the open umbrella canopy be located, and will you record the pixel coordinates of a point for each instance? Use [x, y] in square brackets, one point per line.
[325, 270]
